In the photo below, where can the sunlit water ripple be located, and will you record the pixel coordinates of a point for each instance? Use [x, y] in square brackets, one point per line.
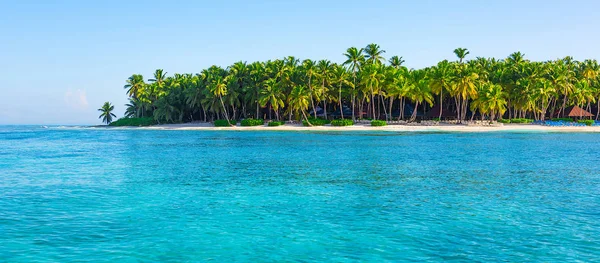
[97, 195]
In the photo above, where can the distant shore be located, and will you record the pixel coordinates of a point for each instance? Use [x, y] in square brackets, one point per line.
[366, 127]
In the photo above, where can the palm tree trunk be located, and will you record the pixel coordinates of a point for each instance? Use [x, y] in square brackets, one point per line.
[383, 106]
[598, 109]
[353, 107]
[312, 102]
[589, 107]
[562, 109]
[402, 106]
[257, 110]
[340, 100]
[458, 107]
[441, 101]
[391, 105]
[372, 101]
[224, 110]
[465, 105]
[305, 118]
[360, 107]
[414, 113]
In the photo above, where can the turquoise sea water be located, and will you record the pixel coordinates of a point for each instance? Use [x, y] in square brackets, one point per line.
[97, 195]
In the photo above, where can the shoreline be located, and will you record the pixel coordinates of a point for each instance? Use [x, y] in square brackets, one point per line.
[368, 127]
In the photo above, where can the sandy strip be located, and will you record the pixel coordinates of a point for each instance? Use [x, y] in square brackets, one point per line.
[368, 127]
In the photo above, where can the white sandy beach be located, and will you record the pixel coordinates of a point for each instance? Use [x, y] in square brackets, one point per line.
[368, 127]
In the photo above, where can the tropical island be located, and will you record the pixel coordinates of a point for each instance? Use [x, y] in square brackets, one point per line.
[367, 88]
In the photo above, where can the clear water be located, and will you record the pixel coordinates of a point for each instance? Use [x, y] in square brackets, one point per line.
[96, 195]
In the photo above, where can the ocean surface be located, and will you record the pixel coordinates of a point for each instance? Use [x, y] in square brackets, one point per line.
[108, 195]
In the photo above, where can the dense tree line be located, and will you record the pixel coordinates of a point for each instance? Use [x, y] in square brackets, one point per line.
[367, 85]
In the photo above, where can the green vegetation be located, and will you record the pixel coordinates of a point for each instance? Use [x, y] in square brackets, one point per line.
[224, 123]
[342, 122]
[366, 85]
[252, 122]
[378, 123]
[106, 113]
[147, 121]
[587, 122]
[315, 122]
[276, 123]
[516, 120]
[521, 120]
[563, 119]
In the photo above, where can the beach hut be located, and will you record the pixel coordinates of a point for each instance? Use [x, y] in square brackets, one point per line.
[577, 112]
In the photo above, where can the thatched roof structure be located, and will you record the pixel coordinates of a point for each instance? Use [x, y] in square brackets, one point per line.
[575, 111]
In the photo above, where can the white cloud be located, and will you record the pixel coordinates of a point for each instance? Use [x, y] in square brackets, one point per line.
[76, 99]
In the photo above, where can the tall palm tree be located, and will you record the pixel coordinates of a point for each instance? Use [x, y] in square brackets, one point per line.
[159, 77]
[106, 113]
[135, 85]
[374, 54]
[516, 58]
[464, 88]
[310, 70]
[354, 60]
[440, 80]
[461, 53]
[218, 88]
[419, 90]
[298, 100]
[396, 62]
[340, 77]
[372, 78]
[493, 100]
[271, 95]
[324, 68]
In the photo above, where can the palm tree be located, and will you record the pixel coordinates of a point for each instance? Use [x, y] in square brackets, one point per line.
[298, 100]
[464, 87]
[396, 62]
[106, 113]
[310, 70]
[516, 58]
[218, 87]
[132, 108]
[441, 79]
[372, 78]
[324, 68]
[159, 76]
[135, 85]
[493, 100]
[354, 60]
[340, 77]
[374, 54]
[271, 95]
[461, 53]
[419, 90]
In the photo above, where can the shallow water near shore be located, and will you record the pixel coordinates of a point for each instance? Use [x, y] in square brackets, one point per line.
[118, 195]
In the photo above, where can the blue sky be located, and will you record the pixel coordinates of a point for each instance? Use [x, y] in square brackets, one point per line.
[61, 60]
